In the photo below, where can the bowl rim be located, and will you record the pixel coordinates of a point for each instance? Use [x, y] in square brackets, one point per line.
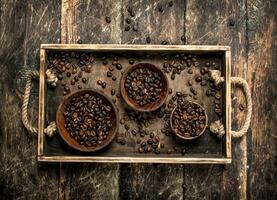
[123, 92]
[181, 136]
[61, 108]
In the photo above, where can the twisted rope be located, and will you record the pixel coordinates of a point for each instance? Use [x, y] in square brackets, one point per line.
[217, 127]
[51, 128]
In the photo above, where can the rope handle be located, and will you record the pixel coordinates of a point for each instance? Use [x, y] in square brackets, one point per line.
[51, 80]
[217, 127]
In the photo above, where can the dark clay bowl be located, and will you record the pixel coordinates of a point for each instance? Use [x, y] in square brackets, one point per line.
[151, 106]
[65, 134]
[182, 136]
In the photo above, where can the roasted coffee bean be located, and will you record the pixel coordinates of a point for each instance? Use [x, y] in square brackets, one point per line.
[76, 79]
[169, 151]
[130, 9]
[113, 92]
[79, 41]
[122, 121]
[74, 71]
[131, 62]
[111, 68]
[203, 83]
[128, 20]
[109, 74]
[79, 87]
[241, 107]
[169, 91]
[114, 78]
[99, 82]
[66, 88]
[148, 40]
[208, 92]
[84, 80]
[172, 76]
[105, 62]
[164, 42]
[183, 151]
[60, 76]
[118, 66]
[170, 4]
[190, 71]
[183, 38]
[72, 82]
[108, 20]
[104, 84]
[160, 8]
[127, 28]
[140, 150]
[189, 83]
[132, 14]
[198, 79]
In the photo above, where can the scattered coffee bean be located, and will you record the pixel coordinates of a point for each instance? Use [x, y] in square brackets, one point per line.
[79, 41]
[164, 42]
[170, 4]
[84, 80]
[79, 87]
[148, 40]
[160, 8]
[127, 28]
[60, 76]
[183, 38]
[131, 62]
[104, 84]
[241, 107]
[118, 66]
[190, 71]
[99, 82]
[189, 83]
[198, 79]
[108, 20]
[113, 92]
[169, 91]
[128, 20]
[109, 74]
[114, 78]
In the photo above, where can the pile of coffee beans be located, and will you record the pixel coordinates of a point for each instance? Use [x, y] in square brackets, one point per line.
[88, 119]
[144, 86]
[188, 119]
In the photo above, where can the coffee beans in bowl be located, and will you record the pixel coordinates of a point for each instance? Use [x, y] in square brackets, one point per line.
[87, 120]
[144, 87]
[188, 120]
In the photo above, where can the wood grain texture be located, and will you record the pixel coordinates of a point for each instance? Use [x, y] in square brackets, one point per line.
[152, 181]
[224, 23]
[261, 74]
[84, 21]
[24, 25]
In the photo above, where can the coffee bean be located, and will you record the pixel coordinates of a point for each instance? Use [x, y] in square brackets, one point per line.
[172, 76]
[122, 121]
[132, 14]
[169, 91]
[113, 92]
[190, 71]
[99, 82]
[84, 80]
[109, 74]
[118, 66]
[164, 42]
[183, 38]
[128, 20]
[148, 40]
[170, 4]
[60, 76]
[104, 84]
[108, 20]
[198, 79]
[140, 150]
[131, 62]
[130, 9]
[203, 83]
[114, 78]
[79, 41]
[160, 8]
[79, 87]
[241, 107]
[189, 83]
[127, 28]
[183, 152]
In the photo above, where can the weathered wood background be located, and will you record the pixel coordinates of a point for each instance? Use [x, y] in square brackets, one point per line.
[248, 26]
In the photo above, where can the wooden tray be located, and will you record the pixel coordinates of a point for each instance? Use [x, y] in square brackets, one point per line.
[206, 149]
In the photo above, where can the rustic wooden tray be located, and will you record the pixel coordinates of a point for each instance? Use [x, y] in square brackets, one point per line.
[206, 149]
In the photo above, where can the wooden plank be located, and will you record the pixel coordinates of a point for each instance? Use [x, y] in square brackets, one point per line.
[84, 21]
[261, 74]
[152, 181]
[224, 23]
[24, 25]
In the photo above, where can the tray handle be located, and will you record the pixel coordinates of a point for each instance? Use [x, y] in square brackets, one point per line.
[217, 127]
[52, 81]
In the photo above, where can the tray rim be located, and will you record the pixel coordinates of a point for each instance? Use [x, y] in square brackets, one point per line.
[226, 159]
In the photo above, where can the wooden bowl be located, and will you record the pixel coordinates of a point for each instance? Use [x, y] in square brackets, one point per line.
[151, 106]
[65, 134]
[182, 136]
